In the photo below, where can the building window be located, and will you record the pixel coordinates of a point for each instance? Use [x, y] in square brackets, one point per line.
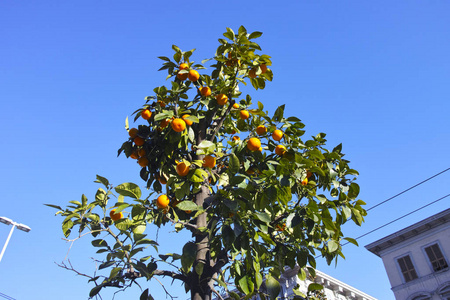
[436, 257]
[407, 268]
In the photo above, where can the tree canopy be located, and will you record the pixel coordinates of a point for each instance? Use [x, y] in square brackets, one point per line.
[256, 194]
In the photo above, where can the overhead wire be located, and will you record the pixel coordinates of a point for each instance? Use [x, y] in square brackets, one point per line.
[408, 189]
[395, 196]
[410, 213]
[6, 296]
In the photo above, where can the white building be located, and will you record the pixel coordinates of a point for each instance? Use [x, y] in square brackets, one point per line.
[333, 288]
[416, 259]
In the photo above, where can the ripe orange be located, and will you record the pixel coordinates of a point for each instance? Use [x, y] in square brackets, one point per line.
[263, 68]
[250, 171]
[188, 122]
[164, 123]
[162, 103]
[184, 66]
[261, 129]
[244, 114]
[221, 99]
[143, 162]
[236, 138]
[252, 73]
[134, 154]
[114, 216]
[281, 227]
[277, 135]
[138, 141]
[146, 114]
[209, 161]
[236, 105]
[162, 201]
[193, 75]
[161, 179]
[205, 91]
[141, 152]
[260, 149]
[305, 181]
[133, 132]
[182, 76]
[253, 144]
[178, 125]
[280, 150]
[182, 168]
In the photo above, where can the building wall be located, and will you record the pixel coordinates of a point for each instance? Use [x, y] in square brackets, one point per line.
[428, 281]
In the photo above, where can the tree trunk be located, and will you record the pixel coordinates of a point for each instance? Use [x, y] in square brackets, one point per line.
[201, 285]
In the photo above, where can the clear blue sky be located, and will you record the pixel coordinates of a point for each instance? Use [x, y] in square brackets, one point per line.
[373, 75]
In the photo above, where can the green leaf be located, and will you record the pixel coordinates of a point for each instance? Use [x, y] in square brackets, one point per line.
[301, 274]
[139, 229]
[314, 287]
[205, 145]
[243, 284]
[95, 290]
[227, 235]
[188, 205]
[114, 272]
[99, 243]
[233, 164]
[199, 175]
[188, 256]
[254, 35]
[273, 286]
[229, 34]
[199, 268]
[353, 191]
[102, 180]
[265, 217]
[350, 240]
[106, 265]
[129, 189]
[332, 246]
[278, 115]
[54, 206]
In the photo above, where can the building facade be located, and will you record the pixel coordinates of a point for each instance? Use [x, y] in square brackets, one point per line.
[333, 289]
[416, 259]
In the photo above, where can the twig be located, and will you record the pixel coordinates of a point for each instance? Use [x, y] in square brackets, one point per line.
[167, 293]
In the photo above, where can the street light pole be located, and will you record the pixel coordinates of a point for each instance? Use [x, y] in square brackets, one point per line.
[14, 224]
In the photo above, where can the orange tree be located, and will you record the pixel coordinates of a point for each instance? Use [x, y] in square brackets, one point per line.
[255, 194]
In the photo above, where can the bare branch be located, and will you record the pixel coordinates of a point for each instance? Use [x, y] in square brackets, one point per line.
[170, 274]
